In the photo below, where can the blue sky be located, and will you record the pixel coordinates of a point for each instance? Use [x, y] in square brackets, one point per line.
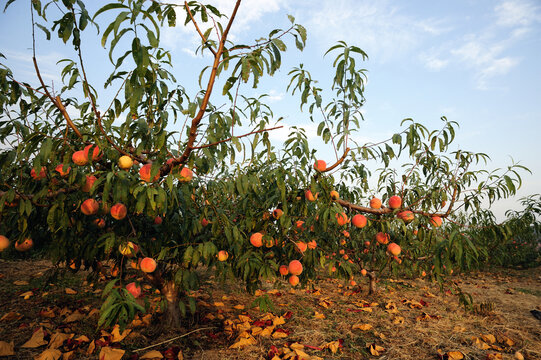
[475, 62]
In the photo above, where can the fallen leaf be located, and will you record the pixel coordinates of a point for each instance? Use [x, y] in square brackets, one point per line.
[20, 282]
[108, 353]
[333, 346]
[398, 320]
[117, 336]
[459, 329]
[75, 316]
[239, 307]
[319, 315]
[49, 354]
[455, 355]
[489, 338]
[49, 313]
[83, 339]
[495, 356]
[278, 321]
[480, 344]
[244, 342]
[219, 303]
[36, 340]
[26, 295]
[70, 355]
[57, 339]
[6, 349]
[70, 291]
[11, 316]
[375, 350]
[153, 354]
[91, 348]
[363, 327]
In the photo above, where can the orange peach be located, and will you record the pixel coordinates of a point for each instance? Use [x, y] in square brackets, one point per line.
[223, 255]
[436, 221]
[145, 172]
[95, 152]
[320, 165]
[4, 243]
[277, 213]
[119, 211]
[42, 173]
[63, 172]
[284, 270]
[407, 216]
[394, 249]
[295, 267]
[134, 289]
[312, 244]
[100, 223]
[90, 207]
[148, 265]
[185, 175]
[89, 182]
[382, 238]
[26, 245]
[204, 222]
[359, 221]
[335, 195]
[256, 239]
[364, 272]
[395, 202]
[293, 280]
[79, 158]
[301, 246]
[341, 219]
[375, 203]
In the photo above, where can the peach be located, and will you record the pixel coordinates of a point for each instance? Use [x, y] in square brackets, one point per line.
[341, 219]
[367, 243]
[309, 196]
[100, 223]
[223, 255]
[256, 239]
[185, 175]
[4, 243]
[382, 238]
[395, 202]
[436, 221]
[125, 162]
[89, 182]
[407, 216]
[158, 220]
[284, 270]
[346, 233]
[352, 282]
[320, 165]
[397, 259]
[293, 280]
[42, 173]
[134, 289]
[204, 222]
[364, 272]
[312, 244]
[301, 246]
[295, 267]
[394, 249]
[277, 213]
[119, 211]
[148, 265]
[144, 173]
[299, 224]
[90, 207]
[359, 221]
[335, 195]
[95, 152]
[375, 203]
[60, 169]
[26, 245]
[423, 274]
[79, 158]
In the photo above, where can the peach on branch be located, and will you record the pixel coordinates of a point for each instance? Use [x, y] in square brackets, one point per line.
[309, 196]
[407, 216]
[436, 221]
[89, 182]
[4, 243]
[284, 270]
[359, 221]
[90, 207]
[394, 249]
[95, 152]
[119, 211]
[158, 220]
[382, 238]
[312, 244]
[185, 175]
[341, 219]
[335, 195]
[79, 158]
[42, 173]
[125, 162]
[364, 272]
[148, 265]
[256, 239]
[134, 289]
[395, 202]
[277, 213]
[301, 246]
[145, 171]
[295, 267]
[375, 203]
[100, 223]
[63, 172]
[293, 280]
[223, 255]
[320, 165]
[25, 245]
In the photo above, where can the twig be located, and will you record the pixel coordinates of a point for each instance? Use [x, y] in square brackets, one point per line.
[175, 338]
[205, 41]
[238, 137]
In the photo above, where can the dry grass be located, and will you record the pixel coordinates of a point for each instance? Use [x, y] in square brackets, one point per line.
[396, 323]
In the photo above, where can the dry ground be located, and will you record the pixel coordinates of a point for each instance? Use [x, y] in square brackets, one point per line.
[409, 319]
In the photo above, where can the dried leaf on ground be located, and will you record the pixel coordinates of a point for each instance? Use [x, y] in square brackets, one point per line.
[73, 317]
[36, 340]
[11, 316]
[70, 291]
[363, 327]
[6, 349]
[243, 342]
[318, 315]
[108, 353]
[333, 346]
[455, 355]
[49, 354]
[375, 350]
[117, 336]
[57, 339]
[153, 354]
[20, 282]
[489, 338]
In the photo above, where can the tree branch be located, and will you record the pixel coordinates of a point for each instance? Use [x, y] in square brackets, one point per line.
[238, 137]
[205, 42]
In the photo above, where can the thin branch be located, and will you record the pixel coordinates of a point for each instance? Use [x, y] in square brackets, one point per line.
[175, 338]
[238, 137]
[338, 162]
[205, 41]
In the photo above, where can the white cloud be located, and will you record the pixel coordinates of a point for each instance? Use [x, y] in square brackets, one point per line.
[516, 13]
[274, 96]
[433, 62]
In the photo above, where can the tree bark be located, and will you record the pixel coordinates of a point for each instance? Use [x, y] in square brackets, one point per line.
[372, 287]
[172, 312]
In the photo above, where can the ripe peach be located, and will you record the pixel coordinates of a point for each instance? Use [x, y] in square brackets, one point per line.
[79, 158]
[341, 219]
[295, 267]
[301, 246]
[406, 216]
[345, 233]
[284, 270]
[333, 269]
[367, 243]
[395, 202]
[415, 232]
[95, 152]
[256, 239]
[394, 249]
[320, 165]
[277, 213]
[423, 274]
[359, 221]
[299, 224]
[343, 242]
[364, 272]
[158, 220]
[144, 173]
[61, 171]
[134, 289]
[119, 211]
[309, 196]
[90, 207]
[185, 175]
[204, 222]
[99, 223]
[335, 195]
[4, 243]
[375, 203]
[293, 280]
[42, 173]
[436, 221]
[148, 265]
[90, 180]
[223, 255]
[312, 244]
[26, 245]
[382, 238]
[125, 162]
[352, 282]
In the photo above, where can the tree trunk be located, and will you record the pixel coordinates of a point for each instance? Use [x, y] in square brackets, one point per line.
[172, 312]
[372, 288]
